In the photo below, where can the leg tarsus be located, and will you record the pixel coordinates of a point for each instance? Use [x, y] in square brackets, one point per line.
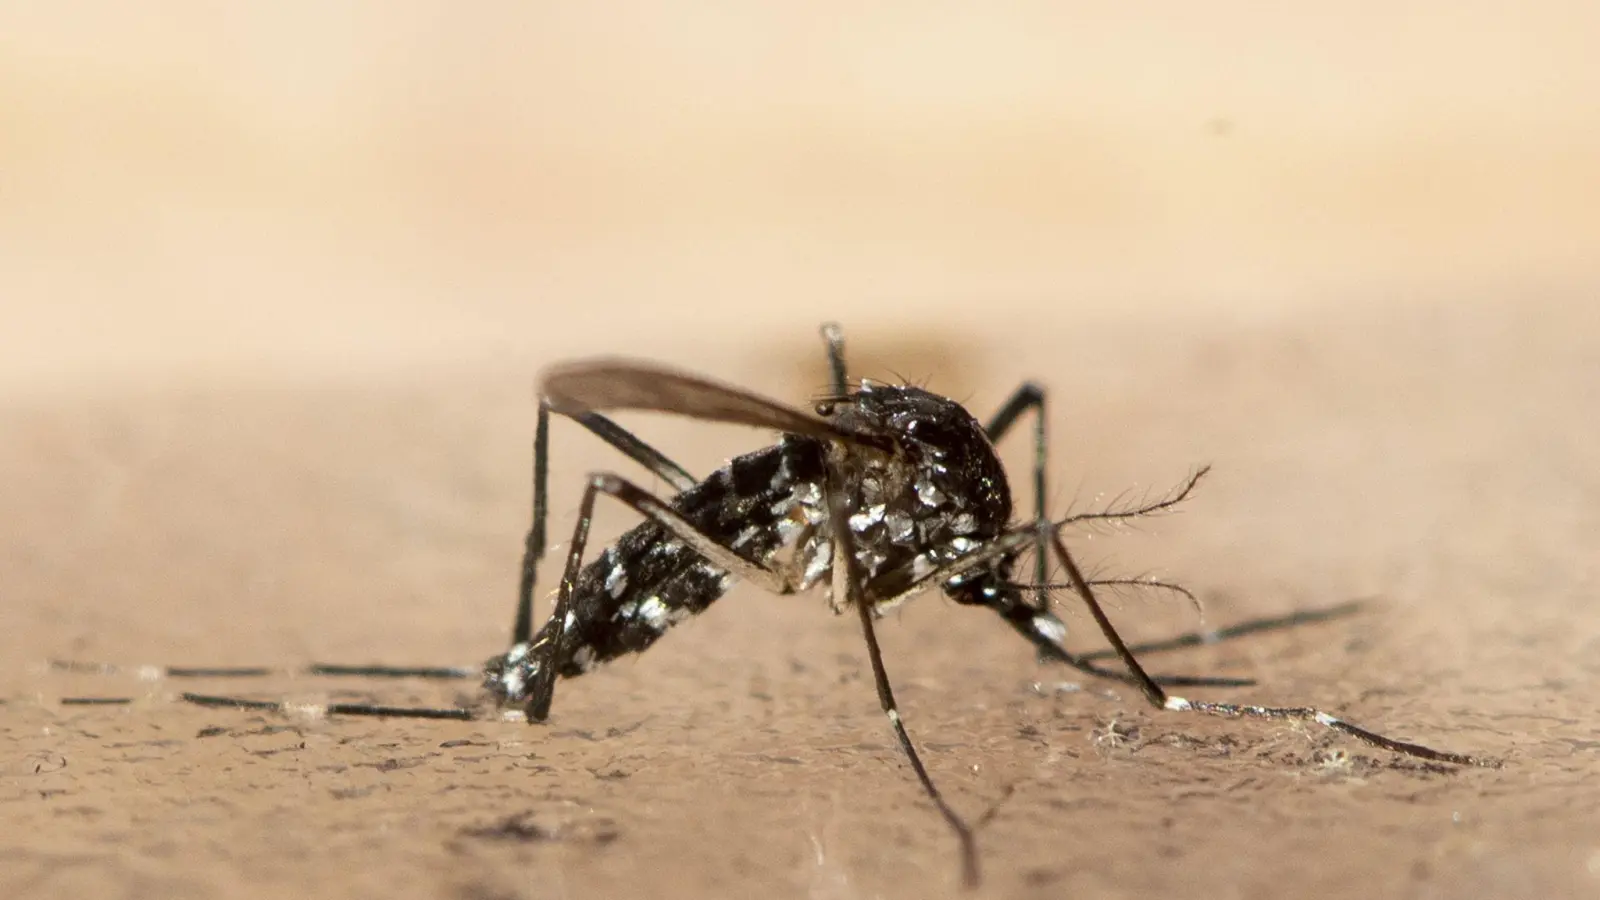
[1309, 714]
[1161, 699]
[276, 706]
[331, 709]
[441, 673]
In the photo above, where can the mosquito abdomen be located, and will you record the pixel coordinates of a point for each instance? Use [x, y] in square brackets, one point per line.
[649, 580]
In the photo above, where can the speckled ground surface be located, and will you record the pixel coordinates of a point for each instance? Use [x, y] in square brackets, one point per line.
[1432, 461]
[276, 281]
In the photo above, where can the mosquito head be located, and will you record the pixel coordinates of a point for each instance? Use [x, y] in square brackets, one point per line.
[507, 677]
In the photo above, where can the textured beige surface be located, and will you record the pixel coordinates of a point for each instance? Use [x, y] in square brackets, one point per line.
[276, 287]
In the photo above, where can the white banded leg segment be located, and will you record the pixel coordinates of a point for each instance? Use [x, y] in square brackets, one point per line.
[1308, 714]
[1160, 698]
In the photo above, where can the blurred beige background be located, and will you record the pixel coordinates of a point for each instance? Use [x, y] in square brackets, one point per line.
[233, 189]
[276, 279]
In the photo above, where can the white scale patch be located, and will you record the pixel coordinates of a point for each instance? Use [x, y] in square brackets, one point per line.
[867, 518]
[655, 614]
[964, 524]
[901, 528]
[666, 548]
[616, 581]
[1052, 628]
[821, 558]
[583, 658]
[746, 536]
[511, 681]
[929, 493]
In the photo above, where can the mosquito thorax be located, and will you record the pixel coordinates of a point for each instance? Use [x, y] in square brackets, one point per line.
[941, 493]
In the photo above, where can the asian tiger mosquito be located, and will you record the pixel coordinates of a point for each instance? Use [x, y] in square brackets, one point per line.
[925, 502]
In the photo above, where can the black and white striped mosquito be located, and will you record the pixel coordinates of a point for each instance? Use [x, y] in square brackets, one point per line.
[884, 492]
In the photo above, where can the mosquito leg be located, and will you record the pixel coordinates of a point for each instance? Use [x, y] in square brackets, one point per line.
[441, 673]
[550, 645]
[853, 581]
[157, 673]
[1030, 396]
[534, 546]
[602, 427]
[833, 336]
[1162, 699]
[331, 709]
[852, 576]
[628, 444]
[1048, 633]
[1037, 625]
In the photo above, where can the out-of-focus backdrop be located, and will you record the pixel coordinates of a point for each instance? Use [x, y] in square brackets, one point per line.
[221, 189]
[276, 280]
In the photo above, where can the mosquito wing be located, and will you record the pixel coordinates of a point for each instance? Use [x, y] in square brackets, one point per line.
[599, 384]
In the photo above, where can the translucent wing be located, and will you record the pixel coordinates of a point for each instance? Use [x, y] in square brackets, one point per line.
[599, 384]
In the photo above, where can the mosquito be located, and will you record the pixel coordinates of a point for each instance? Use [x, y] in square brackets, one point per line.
[880, 493]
